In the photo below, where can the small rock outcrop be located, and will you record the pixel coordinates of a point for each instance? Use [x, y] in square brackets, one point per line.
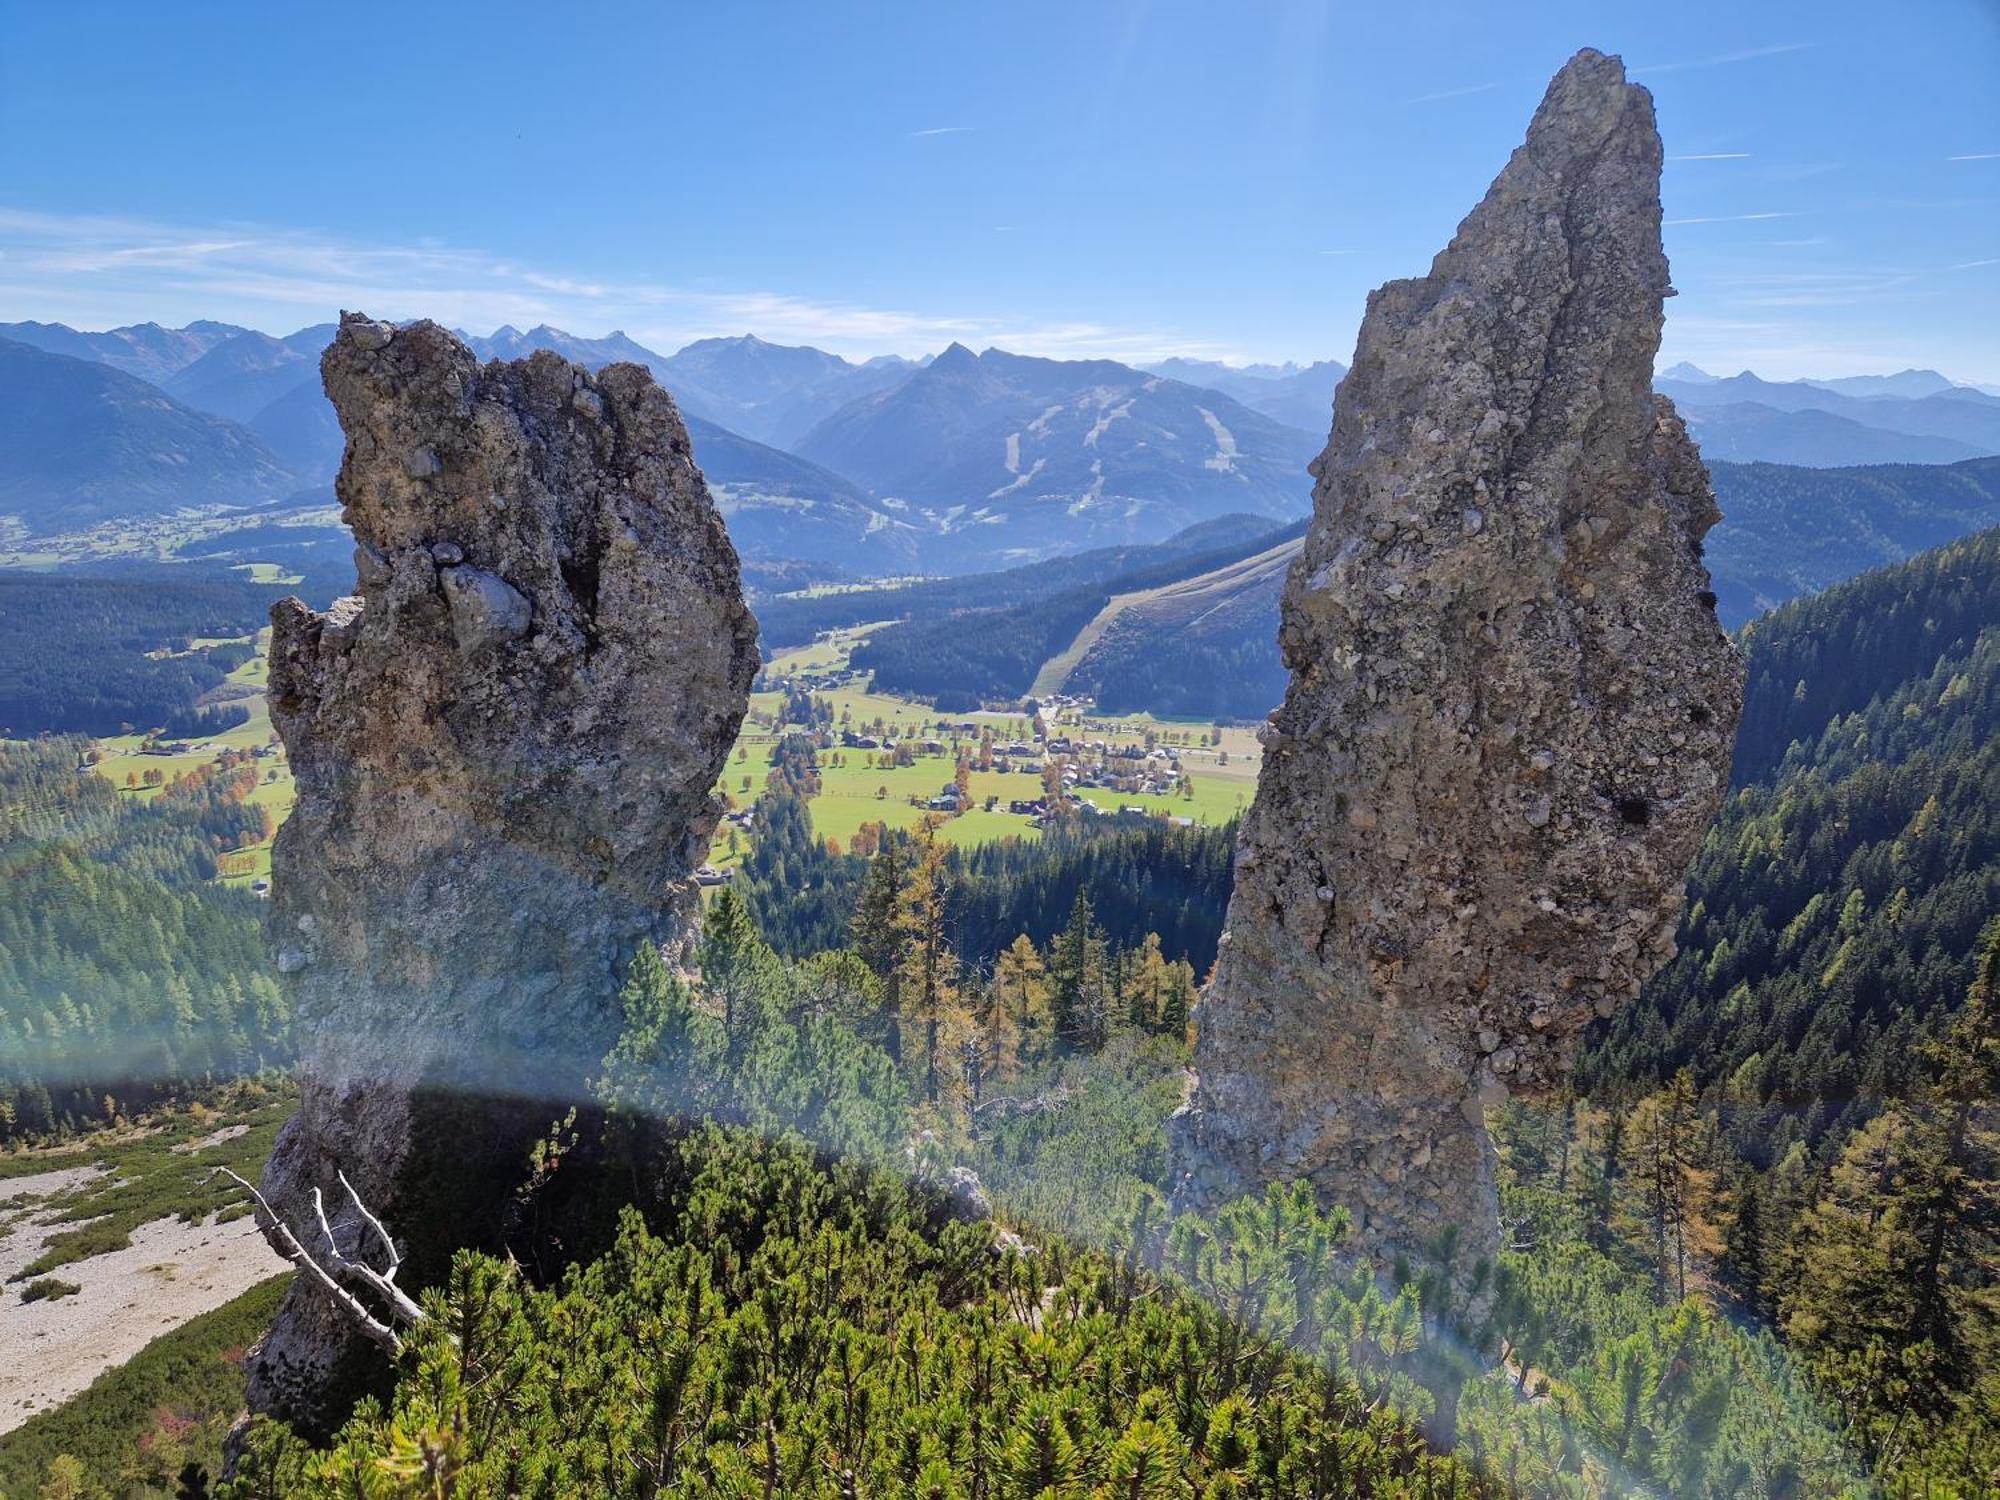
[505, 748]
[1510, 715]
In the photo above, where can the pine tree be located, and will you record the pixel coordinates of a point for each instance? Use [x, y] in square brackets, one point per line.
[1019, 984]
[1662, 1142]
[878, 937]
[930, 968]
[1078, 1001]
[1892, 1296]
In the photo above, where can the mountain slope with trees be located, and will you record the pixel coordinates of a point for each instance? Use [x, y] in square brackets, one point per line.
[1804, 1097]
[1205, 644]
[1011, 458]
[126, 976]
[81, 442]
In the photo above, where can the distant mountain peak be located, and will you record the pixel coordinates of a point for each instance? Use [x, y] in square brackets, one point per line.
[956, 358]
[1692, 374]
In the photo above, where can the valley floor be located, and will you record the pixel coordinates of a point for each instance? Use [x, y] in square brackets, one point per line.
[178, 1262]
[858, 785]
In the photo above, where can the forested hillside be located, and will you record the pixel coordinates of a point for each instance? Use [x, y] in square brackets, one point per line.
[772, 1312]
[1199, 646]
[961, 658]
[1808, 1085]
[1789, 531]
[126, 975]
[1835, 908]
[89, 654]
[1834, 653]
[1139, 876]
[1750, 1255]
[794, 619]
[1789, 1079]
[81, 443]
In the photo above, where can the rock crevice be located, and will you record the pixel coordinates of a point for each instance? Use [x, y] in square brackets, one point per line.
[505, 747]
[1510, 714]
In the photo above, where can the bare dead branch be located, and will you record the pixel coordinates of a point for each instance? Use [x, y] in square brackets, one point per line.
[388, 1245]
[339, 1266]
[279, 1233]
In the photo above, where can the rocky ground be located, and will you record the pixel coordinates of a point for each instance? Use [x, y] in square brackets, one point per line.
[171, 1272]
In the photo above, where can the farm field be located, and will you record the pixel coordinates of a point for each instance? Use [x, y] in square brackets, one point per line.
[161, 539]
[124, 760]
[854, 791]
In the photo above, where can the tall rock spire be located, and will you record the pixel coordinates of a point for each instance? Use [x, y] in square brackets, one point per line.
[1510, 715]
[505, 750]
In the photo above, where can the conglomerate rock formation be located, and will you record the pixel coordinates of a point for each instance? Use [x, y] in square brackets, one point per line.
[1510, 715]
[505, 749]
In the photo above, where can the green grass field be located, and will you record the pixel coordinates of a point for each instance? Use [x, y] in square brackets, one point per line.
[854, 793]
[122, 756]
[848, 798]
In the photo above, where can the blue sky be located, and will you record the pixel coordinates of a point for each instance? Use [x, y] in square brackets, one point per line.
[1122, 178]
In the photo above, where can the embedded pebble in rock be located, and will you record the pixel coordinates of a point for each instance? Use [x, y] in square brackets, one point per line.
[1510, 716]
[505, 750]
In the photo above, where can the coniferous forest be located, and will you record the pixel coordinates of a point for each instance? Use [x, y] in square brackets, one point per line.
[111, 653]
[127, 976]
[1753, 1254]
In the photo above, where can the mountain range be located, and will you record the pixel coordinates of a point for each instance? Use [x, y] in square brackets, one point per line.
[771, 392]
[146, 350]
[890, 466]
[1187, 634]
[1297, 395]
[83, 442]
[1915, 416]
[1019, 457]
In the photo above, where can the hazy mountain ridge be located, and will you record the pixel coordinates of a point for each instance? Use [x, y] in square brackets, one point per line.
[146, 350]
[780, 505]
[81, 442]
[1206, 644]
[1747, 432]
[271, 385]
[1021, 457]
[773, 393]
[508, 342]
[1298, 396]
[1763, 422]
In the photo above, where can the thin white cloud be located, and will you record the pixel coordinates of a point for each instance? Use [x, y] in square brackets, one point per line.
[95, 271]
[1728, 218]
[1723, 59]
[1337, 252]
[1476, 88]
[1976, 156]
[942, 130]
[1973, 265]
[1713, 156]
